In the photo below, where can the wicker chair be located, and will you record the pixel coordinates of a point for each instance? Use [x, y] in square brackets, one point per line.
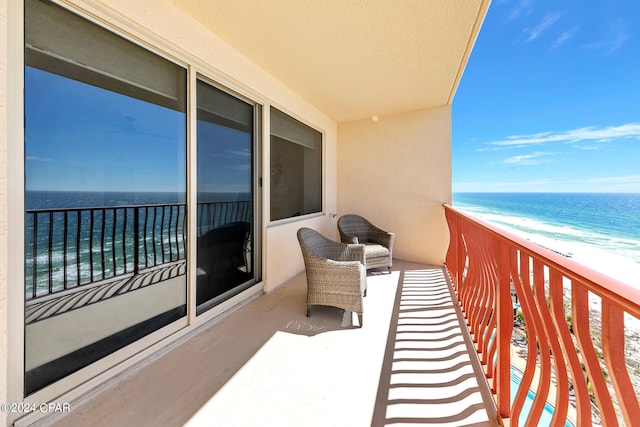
[378, 243]
[335, 272]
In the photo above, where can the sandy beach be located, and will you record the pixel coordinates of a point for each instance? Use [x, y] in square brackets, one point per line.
[618, 267]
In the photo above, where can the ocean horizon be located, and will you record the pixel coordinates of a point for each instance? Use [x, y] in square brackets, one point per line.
[39, 199]
[600, 230]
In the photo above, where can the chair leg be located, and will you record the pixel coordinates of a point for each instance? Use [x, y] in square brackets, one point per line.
[308, 310]
[389, 268]
[360, 319]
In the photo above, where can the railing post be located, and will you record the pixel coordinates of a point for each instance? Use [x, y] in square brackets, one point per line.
[461, 254]
[454, 256]
[504, 330]
[34, 256]
[136, 238]
[614, 356]
[452, 251]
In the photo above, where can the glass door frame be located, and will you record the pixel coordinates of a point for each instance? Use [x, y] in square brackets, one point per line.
[195, 74]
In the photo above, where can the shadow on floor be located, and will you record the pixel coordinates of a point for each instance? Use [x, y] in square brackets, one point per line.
[427, 375]
[268, 364]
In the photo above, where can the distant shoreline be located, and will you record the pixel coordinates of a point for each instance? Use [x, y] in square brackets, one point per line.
[601, 230]
[613, 265]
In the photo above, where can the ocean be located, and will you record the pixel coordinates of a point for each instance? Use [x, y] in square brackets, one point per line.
[87, 199]
[601, 230]
[77, 238]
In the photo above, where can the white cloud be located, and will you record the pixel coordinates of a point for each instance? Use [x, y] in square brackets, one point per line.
[241, 153]
[617, 38]
[620, 37]
[37, 159]
[616, 184]
[564, 37]
[527, 159]
[523, 7]
[538, 184]
[625, 179]
[589, 133]
[587, 147]
[548, 20]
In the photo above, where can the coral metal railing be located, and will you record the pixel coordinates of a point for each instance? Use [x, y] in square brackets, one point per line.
[486, 265]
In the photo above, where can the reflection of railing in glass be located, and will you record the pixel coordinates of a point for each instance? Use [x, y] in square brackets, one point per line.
[72, 247]
[215, 214]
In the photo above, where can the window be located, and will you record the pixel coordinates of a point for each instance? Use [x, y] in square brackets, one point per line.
[296, 167]
[105, 193]
[225, 210]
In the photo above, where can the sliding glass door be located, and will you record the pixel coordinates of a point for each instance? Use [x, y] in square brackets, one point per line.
[105, 194]
[225, 228]
[106, 197]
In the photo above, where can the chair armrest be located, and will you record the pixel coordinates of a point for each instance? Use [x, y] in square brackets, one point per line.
[347, 238]
[385, 239]
[349, 252]
[381, 237]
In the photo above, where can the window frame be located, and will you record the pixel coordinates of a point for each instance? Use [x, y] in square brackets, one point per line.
[322, 168]
[209, 312]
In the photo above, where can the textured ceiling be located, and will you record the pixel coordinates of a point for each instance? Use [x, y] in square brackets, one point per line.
[352, 59]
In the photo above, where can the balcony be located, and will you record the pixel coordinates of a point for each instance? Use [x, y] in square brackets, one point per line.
[438, 342]
[437, 348]
[268, 364]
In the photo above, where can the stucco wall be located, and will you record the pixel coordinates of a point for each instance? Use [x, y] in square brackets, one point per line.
[397, 173]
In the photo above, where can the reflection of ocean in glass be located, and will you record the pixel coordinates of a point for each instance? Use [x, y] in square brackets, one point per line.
[101, 136]
[90, 237]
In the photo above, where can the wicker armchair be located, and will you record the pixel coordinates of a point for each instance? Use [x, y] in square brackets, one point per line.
[335, 272]
[378, 243]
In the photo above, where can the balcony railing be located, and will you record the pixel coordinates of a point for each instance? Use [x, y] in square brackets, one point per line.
[573, 353]
[69, 248]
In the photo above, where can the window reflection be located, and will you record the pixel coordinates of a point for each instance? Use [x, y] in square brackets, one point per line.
[296, 167]
[105, 180]
[225, 254]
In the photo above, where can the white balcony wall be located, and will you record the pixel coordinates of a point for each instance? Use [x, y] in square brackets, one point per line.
[396, 172]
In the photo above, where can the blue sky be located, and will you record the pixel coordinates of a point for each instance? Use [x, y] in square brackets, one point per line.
[83, 138]
[550, 99]
[98, 140]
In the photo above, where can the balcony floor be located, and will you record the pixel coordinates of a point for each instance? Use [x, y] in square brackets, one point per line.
[267, 364]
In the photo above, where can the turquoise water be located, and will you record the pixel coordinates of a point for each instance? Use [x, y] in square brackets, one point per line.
[547, 414]
[101, 245]
[607, 221]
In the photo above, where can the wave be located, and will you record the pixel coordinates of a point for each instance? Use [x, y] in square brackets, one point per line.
[615, 256]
